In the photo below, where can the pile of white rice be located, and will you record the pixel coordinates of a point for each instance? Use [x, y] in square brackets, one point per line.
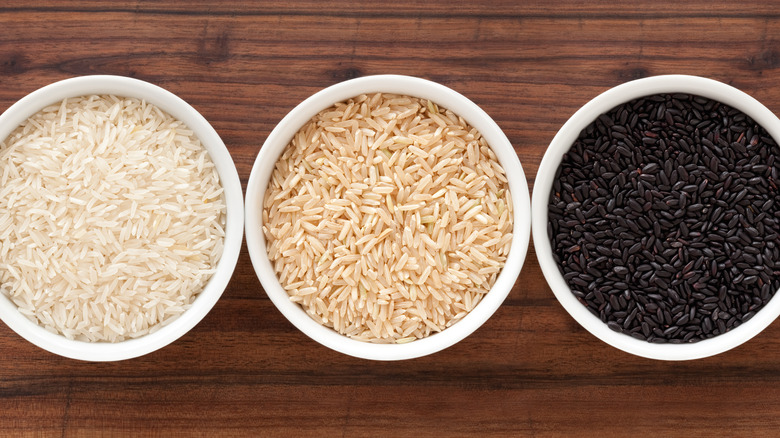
[387, 218]
[111, 218]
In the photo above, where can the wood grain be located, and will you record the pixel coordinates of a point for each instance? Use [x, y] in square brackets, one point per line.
[530, 370]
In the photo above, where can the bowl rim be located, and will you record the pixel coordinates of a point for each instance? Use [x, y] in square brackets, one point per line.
[55, 92]
[405, 85]
[562, 142]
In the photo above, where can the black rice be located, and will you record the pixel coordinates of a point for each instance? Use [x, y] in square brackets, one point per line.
[664, 218]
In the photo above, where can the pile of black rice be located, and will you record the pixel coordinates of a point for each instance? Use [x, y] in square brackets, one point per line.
[664, 218]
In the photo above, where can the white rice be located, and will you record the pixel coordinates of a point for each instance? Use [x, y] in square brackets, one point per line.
[387, 218]
[111, 218]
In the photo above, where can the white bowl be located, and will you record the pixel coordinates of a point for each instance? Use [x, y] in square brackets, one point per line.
[280, 137]
[561, 143]
[178, 108]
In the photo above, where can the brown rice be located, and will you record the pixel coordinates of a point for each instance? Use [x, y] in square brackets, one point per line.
[387, 218]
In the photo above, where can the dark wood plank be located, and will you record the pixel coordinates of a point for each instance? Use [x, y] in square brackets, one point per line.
[530, 370]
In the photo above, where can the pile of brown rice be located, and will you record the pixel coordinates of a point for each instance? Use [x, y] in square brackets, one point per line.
[387, 218]
[111, 218]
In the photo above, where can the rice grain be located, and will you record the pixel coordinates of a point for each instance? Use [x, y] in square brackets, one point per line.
[111, 218]
[387, 218]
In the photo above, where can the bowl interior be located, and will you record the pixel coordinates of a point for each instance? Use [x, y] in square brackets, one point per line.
[543, 184]
[445, 97]
[179, 109]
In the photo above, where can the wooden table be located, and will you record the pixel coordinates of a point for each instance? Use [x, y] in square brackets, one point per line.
[531, 369]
